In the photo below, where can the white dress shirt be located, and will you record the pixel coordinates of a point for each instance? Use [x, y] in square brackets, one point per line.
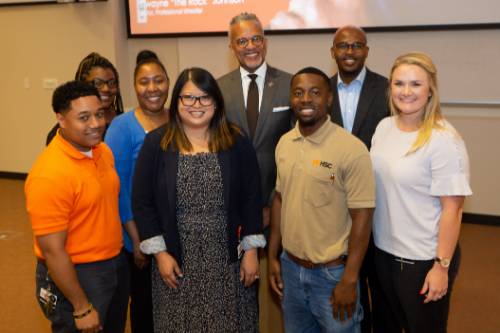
[245, 81]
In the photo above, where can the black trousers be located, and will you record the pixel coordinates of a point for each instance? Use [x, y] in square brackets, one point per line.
[141, 303]
[106, 284]
[401, 282]
[373, 299]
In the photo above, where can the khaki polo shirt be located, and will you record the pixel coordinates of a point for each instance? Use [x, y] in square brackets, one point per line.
[320, 177]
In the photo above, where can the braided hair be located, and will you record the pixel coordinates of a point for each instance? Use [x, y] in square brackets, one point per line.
[94, 59]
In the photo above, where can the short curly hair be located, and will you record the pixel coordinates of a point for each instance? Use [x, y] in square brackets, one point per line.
[69, 91]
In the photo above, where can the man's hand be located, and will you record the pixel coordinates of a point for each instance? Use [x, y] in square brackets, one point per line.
[90, 323]
[343, 300]
[169, 269]
[249, 267]
[274, 268]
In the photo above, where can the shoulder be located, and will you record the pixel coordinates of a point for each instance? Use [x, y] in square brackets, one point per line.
[278, 73]
[54, 165]
[154, 137]
[105, 150]
[446, 136]
[286, 138]
[121, 126]
[123, 119]
[385, 123]
[224, 79]
[375, 77]
[349, 142]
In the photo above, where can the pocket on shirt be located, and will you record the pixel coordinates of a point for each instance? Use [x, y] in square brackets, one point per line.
[318, 192]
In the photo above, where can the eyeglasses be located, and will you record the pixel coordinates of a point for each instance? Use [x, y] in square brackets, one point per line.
[257, 40]
[356, 46]
[190, 100]
[99, 84]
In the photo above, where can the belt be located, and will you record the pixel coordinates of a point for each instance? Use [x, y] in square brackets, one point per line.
[311, 265]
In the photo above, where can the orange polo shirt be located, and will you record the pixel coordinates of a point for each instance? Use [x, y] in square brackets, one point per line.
[67, 190]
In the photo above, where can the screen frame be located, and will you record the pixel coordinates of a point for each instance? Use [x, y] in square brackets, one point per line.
[402, 28]
[51, 2]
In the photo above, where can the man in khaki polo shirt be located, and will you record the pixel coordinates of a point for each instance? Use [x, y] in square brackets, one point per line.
[321, 214]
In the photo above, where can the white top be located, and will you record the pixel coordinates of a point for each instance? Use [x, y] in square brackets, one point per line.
[260, 80]
[408, 188]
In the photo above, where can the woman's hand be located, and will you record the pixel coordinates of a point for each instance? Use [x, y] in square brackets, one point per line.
[436, 283]
[140, 259]
[249, 267]
[169, 269]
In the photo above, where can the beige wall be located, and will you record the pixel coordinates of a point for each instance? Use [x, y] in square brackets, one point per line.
[48, 41]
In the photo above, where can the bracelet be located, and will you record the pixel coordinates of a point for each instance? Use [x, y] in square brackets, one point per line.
[85, 313]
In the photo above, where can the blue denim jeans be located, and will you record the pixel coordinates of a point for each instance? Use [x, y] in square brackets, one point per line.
[306, 300]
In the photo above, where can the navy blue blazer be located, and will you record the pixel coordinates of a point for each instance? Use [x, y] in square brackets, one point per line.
[154, 192]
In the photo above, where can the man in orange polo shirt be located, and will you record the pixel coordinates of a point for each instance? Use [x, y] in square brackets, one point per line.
[72, 200]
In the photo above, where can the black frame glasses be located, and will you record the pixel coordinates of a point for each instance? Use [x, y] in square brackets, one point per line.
[190, 100]
[356, 46]
[99, 84]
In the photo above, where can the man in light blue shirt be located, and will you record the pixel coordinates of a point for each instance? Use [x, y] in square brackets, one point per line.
[349, 97]
[359, 103]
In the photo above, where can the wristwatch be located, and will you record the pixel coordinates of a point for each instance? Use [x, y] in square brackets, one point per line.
[444, 262]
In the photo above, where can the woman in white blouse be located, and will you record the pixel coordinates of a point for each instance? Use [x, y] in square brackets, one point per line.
[422, 177]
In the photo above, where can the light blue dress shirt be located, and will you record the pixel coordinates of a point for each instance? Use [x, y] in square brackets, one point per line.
[349, 97]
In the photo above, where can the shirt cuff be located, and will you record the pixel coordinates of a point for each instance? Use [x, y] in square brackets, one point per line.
[153, 245]
[253, 241]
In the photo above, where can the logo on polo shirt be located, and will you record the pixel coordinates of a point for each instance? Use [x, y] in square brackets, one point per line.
[323, 164]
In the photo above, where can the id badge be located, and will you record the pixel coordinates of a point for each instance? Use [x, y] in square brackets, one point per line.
[48, 299]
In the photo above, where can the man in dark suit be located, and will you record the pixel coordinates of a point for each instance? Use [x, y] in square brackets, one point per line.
[359, 103]
[257, 97]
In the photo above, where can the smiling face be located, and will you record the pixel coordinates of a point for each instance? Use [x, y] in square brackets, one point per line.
[83, 124]
[196, 116]
[151, 87]
[248, 44]
[310, 100]
[410, 90]
[105, 81]
[349, 51]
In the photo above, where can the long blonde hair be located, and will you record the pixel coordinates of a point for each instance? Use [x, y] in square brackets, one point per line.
[432, 116]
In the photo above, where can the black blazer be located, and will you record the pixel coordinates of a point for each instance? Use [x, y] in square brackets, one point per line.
[372, 106]
[154, 192]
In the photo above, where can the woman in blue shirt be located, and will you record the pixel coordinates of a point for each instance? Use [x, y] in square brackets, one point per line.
[125, 137]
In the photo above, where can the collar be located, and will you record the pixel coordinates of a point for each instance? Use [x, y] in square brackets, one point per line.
[71, 151]
[360, 78]
[261, 72]
[318, 136]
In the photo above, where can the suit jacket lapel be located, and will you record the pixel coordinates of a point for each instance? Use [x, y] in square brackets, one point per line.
[365, 99]
[336, 114]
[266, 107]
[239, 101]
